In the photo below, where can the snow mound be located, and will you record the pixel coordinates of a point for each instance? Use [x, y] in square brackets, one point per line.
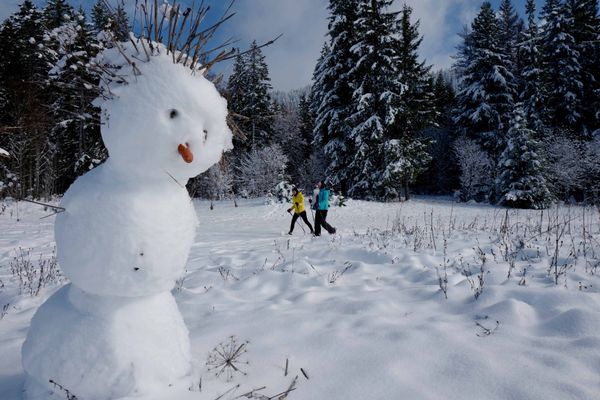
[574, 322]
[512, 310]
[76, 338]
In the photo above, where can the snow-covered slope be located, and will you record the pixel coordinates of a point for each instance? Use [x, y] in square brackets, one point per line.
[362, 312]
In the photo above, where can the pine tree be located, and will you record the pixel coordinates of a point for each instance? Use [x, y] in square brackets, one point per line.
[24, 76]
[586, 33]
[76, 131]
[119, 23]
[530, 91]
[444, 98]
[561, 68]
[8, 66]
[306, 125]
[293, 131]
[320, 86]
[112, 20]
[332, 101]
[249, 99]
[509, 27]
[417, 94]
[258, 105]
[487, 88]
[415, 108]
[441, 175]
[521, 181]
[236, 90]
[100, 16]
[56, 13]
[377, 92]
[8, 169]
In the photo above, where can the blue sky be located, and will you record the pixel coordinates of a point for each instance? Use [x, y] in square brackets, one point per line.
[303, 24]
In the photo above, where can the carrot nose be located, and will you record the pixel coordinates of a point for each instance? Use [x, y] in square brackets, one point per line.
[186, 153]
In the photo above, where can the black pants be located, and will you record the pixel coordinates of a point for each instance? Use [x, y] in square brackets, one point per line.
[304, 218]
[321, 221]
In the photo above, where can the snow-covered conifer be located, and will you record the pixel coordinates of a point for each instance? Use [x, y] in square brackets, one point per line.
[333, 85]
[24, 64]
[113, 20]
[407, 153]
[249, 100]
[586, 33]
[444, 97]
[100, 16]
[258, 106]
[306, 124]
[415, 109]
[76, 130]
[236, 89]
[405, 159]
[56, 13]
[509, 28]
[521, 180]
[119, 23]
[377, 91]
[561, 67]
[487, 88]
[530, 90]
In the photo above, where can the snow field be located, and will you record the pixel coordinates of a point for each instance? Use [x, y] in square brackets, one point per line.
[362, 312]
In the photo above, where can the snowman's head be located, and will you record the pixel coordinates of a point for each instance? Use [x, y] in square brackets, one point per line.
[165, 120]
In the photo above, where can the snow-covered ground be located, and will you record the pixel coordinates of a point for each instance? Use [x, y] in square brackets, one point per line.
[362, 312]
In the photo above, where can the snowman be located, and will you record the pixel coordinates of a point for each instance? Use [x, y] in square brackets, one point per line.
[125, 236]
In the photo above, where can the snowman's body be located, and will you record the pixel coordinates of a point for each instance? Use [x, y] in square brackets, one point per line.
[124, 239]
[142, 233]
[105, 348]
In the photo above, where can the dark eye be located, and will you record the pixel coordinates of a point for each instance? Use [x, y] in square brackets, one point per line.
[205, 134]
[174, 113]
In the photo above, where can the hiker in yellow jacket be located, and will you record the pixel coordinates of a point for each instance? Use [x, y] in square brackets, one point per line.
[298, 207]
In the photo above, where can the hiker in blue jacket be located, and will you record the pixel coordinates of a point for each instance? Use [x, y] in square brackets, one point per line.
[321, 206]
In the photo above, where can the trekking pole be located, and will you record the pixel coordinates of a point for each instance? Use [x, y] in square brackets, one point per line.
[301, 226]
